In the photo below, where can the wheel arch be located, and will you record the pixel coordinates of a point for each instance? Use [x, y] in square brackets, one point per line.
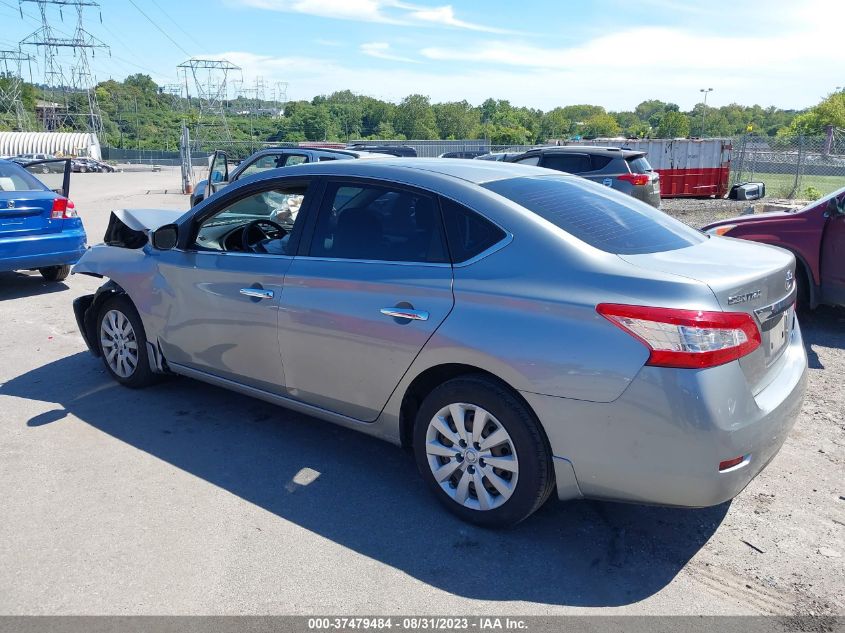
[431, 378]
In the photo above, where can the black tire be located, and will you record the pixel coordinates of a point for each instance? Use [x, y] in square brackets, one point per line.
[142, 375]
[55, 273]
[536, 472]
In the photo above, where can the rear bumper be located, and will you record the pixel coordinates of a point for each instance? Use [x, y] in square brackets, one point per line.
[41, 251]
[662, 440]
[647, 195]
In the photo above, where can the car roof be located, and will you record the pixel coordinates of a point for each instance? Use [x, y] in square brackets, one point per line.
[587, 149]
[477, 172]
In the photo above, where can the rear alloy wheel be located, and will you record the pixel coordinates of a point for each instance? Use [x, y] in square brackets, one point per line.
[483, 452]
[122, 343]
[55, 273]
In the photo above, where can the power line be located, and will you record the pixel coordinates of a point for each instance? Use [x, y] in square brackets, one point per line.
[163, 32]
[176, 24]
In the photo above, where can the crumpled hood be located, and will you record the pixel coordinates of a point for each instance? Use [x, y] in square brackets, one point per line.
[147, 219]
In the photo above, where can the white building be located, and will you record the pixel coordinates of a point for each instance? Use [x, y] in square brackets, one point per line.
[56, 143]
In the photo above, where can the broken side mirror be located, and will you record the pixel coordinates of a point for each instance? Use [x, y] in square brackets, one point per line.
[165, 237]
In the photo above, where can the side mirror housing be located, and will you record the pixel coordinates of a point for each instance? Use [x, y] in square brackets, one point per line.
[165, 237]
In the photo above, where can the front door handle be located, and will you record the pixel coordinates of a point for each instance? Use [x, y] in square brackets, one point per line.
[257, 293]
[405, 313]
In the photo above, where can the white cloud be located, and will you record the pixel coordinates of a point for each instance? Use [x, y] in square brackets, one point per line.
[381, 50]
[379, 11]
[620, 86]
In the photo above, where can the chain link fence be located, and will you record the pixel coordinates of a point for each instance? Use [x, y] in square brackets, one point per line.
[800, 167]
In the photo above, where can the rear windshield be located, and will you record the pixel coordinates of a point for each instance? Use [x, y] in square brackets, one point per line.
[15, 178]
[638, 165]
[603, 218]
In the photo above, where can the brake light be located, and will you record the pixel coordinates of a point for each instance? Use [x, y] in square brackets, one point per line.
[63, 209]
[634, 179]
[686, 338]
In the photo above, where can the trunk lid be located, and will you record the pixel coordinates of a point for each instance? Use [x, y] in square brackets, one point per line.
[745, 277]
[25, 213]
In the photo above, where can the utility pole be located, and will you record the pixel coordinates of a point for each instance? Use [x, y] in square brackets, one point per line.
[704, 109]
[80, 79]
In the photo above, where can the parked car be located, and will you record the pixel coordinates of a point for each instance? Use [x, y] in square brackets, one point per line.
[39, 227]
[814, 234]
[524, 331]
[627, 171]
[498, 156]
[393, 150]
[262, 160]
[83, 165]
[467, 153]
[46, 163]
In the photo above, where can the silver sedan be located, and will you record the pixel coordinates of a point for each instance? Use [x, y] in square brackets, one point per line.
[527, 332]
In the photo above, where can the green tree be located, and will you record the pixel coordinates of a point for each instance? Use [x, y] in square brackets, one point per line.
[456, 119]
[600, 125]
[554, 124]
[415, 119]
[673, 125]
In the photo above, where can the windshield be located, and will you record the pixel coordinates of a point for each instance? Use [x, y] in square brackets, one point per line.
[15, 178]
[597, 215]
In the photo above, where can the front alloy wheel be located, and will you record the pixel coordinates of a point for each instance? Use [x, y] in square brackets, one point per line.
[123, 344]
[472, 456]
[119, 343]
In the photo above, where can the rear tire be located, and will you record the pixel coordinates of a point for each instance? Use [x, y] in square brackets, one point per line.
[55, 273]
[123, 343]
[507, 459]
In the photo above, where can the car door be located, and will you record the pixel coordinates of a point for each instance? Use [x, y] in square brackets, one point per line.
[270, 160]
[218, 172]
[220, 302]
[833, 256]
[371, 285]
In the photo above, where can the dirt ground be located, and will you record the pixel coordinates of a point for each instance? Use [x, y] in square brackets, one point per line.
[183, 498]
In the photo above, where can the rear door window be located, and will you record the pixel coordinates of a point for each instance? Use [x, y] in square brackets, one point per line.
[598, 162]
[468, 233]
[602, 218]
[571, 163]
[370, 222]
[530, 160]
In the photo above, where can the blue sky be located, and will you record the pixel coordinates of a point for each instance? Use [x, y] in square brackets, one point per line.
[537, 53]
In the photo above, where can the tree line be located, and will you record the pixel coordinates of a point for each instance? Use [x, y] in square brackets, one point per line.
[136, 113]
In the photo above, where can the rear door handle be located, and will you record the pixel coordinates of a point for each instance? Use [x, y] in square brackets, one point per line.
[257, 293]
[405, 313]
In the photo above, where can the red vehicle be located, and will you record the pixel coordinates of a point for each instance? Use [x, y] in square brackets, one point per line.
[814, 234]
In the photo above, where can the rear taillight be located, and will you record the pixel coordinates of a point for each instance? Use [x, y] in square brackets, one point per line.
[686, 338]
[63, 209]
[634, 179]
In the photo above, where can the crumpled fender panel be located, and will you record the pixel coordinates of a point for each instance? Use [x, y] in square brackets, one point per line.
[129, 228]
[135, 271]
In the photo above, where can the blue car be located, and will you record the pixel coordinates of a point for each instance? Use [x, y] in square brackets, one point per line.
[39, 227]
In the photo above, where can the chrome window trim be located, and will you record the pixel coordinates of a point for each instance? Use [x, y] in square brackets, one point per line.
[489, 251]
[376, 261]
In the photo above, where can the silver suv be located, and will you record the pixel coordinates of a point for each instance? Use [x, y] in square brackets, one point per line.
[625, 170]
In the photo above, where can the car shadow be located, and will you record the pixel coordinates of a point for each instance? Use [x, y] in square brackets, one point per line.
[824, 326]
[16, 285]
[368, 496]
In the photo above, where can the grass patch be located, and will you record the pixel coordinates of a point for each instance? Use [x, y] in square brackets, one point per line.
[780, 185]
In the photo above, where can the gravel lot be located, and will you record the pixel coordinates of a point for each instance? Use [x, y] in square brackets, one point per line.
[181, 499]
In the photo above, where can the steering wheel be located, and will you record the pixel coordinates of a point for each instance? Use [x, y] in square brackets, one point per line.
[258, 226]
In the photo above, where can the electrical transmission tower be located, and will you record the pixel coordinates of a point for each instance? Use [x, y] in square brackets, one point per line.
[211, 77]
[62, 81]
[12, 111]
[280, 94]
